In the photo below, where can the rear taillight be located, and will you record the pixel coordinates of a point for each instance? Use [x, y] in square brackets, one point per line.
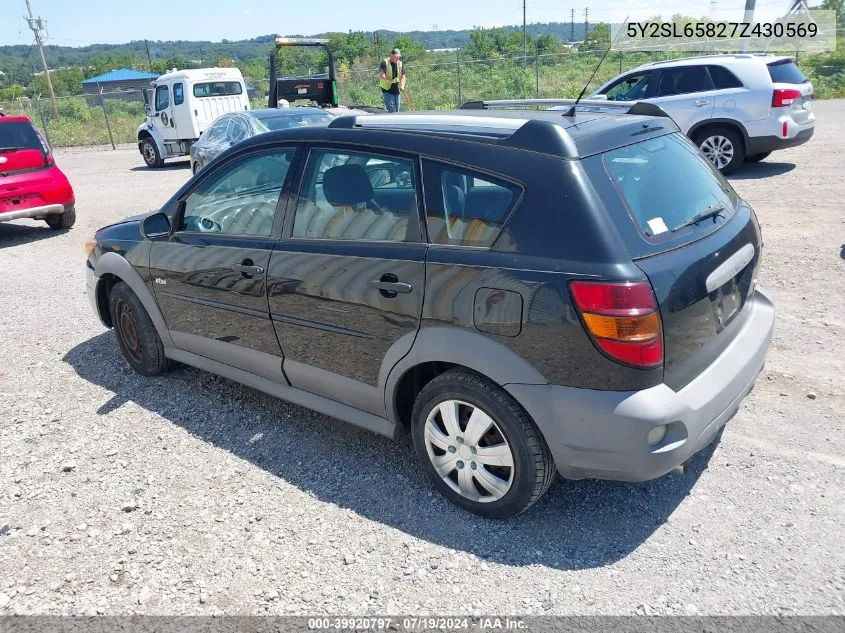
[48, 153]
[784, 97]
[623, 320]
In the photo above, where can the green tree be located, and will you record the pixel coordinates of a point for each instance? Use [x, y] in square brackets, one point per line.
[597, 39]
[412, 50]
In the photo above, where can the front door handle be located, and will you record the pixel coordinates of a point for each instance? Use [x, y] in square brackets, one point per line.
[248, 269]
[389, 285]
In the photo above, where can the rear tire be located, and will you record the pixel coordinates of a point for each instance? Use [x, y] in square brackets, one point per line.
[151, 155]
[59, 221]
[136, 334]
[497, 473]
[756, 158]
[723, 146]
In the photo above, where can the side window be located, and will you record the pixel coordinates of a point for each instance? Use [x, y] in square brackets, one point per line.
[464, 208]
[162, 98]
[241, 198]
[630, 88]
[685, 80]
[178, 94]
[357, 196]
[723, 78]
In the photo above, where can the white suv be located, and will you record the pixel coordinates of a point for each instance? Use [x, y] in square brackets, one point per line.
[735, 107]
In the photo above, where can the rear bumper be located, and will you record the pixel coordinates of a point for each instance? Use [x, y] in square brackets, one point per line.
[603, 434]
[36, 213]
[765, 144]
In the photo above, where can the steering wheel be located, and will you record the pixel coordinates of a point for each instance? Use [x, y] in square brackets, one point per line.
[200, 224]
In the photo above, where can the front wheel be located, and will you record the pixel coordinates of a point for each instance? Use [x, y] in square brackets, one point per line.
[59, 221]
[136, 333]
[479, 447]
[151, 155]
[723, 147]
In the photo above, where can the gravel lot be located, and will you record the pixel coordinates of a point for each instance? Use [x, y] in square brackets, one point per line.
[190, 494]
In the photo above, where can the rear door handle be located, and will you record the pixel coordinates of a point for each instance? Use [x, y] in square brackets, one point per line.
[248, 270]
[702, 102]
[389, 286]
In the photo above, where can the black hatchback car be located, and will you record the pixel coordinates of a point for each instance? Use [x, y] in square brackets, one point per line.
[524, 291]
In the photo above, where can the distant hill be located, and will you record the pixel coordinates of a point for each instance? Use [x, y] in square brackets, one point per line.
[13, 58]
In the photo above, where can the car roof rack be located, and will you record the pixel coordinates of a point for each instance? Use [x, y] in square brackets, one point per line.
[589, 105]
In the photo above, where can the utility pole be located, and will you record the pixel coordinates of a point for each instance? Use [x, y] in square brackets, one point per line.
[149, 59]
[37, 26]
[748, 18]
[524, 34]
[572, 25]
[586, 22]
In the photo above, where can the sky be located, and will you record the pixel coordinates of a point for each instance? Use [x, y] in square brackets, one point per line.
[81, 22]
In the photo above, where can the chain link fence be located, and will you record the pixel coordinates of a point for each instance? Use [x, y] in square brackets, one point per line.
[111, 118]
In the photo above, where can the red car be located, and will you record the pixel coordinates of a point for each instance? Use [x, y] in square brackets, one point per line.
[31, 185]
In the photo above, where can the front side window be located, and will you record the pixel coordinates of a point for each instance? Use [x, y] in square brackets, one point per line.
[178, 94]
[684, 80]
[464, 208]
[631, 88]
[239, 199]
[218, 89]
[357, 196]
[162, 98]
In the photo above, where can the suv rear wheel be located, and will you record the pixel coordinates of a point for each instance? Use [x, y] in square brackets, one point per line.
[62, 220]
[480, 448]
[723, 146]
[136, 334]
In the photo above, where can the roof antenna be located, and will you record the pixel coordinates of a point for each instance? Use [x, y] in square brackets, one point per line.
[571, 111]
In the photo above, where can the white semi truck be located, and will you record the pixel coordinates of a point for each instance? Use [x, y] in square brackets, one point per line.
[180, 106]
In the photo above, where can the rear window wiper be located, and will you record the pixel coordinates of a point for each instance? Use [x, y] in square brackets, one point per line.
[709, 212]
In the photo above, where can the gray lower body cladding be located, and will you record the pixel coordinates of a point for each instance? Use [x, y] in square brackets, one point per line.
[603, 434]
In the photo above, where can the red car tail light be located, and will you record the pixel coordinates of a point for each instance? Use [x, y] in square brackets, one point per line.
[623, 320]
[784, 97]
[48, 153]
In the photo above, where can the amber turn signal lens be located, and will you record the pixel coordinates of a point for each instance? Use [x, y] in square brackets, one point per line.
[641, 328]
[89, 246]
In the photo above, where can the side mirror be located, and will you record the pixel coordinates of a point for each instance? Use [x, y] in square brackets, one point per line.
[147, 108]
[156, 225]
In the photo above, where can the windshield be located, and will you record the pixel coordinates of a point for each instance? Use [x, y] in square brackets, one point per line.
[283, 122]
[666, 181]
[218, 89]
[18, 135]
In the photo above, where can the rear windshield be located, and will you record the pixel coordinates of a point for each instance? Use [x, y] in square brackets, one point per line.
[18, 135]
[218, 89]
[664, 182]
[786, 73]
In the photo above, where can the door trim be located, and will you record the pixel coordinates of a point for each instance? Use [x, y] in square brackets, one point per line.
[268, 366]
[345, 390]
[285, 392]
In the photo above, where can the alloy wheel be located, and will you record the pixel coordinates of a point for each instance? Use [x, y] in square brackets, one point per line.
[469, 451]
[718, 149]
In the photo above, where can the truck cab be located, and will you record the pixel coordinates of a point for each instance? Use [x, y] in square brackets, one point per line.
[181, 104]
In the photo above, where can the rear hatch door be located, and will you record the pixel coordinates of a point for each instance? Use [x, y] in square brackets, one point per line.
[702, 272]
[787, 76]
[20, 147]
